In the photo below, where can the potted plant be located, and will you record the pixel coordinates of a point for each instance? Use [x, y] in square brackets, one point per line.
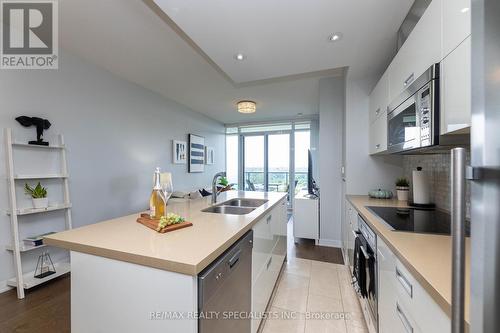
[402, 188]
[38, 194]
[224, 184]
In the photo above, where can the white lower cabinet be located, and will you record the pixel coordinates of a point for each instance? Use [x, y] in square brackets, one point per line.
[403, 305]
[268, 254]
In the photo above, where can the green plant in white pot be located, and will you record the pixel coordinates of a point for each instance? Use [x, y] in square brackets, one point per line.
[402, 188]
[38, 194]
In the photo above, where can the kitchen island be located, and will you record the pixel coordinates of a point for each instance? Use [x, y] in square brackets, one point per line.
[126, 277]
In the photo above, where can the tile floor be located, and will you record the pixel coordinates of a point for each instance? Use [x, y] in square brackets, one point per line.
[310, 291]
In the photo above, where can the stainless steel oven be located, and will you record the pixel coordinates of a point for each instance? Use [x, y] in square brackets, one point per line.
[413, 118]
[365, 273]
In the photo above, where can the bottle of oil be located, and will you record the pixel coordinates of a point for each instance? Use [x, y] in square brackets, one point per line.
[156, 201]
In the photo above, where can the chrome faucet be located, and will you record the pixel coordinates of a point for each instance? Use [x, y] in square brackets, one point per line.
[215, 193]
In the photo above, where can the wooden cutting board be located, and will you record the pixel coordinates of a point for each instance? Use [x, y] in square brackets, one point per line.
[153, 224]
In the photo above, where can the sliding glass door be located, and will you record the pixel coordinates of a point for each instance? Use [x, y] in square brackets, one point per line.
[266, 162]
[268, 157]
[278, 161]
[253, 163]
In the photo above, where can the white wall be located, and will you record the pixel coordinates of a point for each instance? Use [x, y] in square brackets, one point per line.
[331, 117]
[314, 146]
[116, 133]
[364, 172]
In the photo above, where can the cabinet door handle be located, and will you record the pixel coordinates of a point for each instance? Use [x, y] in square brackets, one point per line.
[404, 319]
[403, 280]
[409, 79]
[269, 262]
[380, 254]
[269, 219]
[377, 112]
[377, 146]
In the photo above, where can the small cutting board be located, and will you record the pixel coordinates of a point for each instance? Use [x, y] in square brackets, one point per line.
[153, 224]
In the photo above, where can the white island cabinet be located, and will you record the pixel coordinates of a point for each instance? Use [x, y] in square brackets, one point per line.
[126, 277]
[268, 256]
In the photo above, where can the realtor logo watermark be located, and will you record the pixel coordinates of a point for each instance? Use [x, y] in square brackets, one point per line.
[29, 34]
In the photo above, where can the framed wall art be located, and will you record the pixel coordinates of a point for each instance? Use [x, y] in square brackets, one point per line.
[179, 152]
[209, 155]
[196, 153]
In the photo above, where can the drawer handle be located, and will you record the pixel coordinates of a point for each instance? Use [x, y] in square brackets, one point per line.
[404, 282]
[409, 79]
[269, 262]
[269, 219]
[404, 319]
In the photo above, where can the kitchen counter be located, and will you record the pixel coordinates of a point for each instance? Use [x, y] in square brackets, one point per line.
[187, 251]
[426, 256]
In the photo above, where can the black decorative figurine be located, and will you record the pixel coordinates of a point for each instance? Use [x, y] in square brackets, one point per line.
[41, 124]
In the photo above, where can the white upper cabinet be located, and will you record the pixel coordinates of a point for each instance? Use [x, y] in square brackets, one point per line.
[456, 22]
[419, 52]
[456, 90]
[378, 135]
[379, 98]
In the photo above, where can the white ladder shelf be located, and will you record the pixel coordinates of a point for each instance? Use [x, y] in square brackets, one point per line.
[25, 281]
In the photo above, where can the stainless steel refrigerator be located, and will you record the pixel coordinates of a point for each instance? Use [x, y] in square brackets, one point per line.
[485, 163]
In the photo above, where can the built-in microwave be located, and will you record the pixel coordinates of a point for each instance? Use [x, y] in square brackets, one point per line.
[413, 118]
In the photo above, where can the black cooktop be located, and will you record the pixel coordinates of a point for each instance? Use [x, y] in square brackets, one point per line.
[418, 220]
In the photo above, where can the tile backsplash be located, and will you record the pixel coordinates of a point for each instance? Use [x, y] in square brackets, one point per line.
[438, 168]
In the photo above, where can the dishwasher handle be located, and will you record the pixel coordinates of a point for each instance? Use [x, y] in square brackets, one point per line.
[234, 259]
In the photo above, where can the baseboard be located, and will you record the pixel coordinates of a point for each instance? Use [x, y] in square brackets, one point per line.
[330, 243]
[4, 287]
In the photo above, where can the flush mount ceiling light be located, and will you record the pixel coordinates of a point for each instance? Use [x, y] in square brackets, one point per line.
[335, 37]
[246, 106]
[240, 56]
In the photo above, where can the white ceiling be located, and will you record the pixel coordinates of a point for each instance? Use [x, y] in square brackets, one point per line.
[286, 37]
[138, 42]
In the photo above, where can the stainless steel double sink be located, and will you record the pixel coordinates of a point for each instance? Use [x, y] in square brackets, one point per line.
[236, 206]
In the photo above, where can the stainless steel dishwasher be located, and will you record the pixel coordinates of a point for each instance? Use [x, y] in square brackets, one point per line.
[225, 290]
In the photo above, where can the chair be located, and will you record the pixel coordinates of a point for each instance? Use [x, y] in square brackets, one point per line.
[250, 185]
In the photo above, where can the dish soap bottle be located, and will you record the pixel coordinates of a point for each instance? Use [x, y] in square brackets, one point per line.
[156, 201]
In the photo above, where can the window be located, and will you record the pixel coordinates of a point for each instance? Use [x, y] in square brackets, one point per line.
[302, 145]
[232, 158]
[262, 157]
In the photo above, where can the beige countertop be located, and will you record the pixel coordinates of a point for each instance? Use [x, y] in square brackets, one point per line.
[186, 251]
[426, 256]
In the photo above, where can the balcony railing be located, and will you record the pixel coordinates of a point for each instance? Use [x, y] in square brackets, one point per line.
[278, 181]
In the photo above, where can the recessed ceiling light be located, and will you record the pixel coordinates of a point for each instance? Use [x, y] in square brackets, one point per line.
[240, 56]
[335, 37]
[465, 9]
[246, 106]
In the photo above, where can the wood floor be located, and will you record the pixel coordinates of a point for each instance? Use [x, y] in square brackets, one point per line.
[46, 309]
[305, 249]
